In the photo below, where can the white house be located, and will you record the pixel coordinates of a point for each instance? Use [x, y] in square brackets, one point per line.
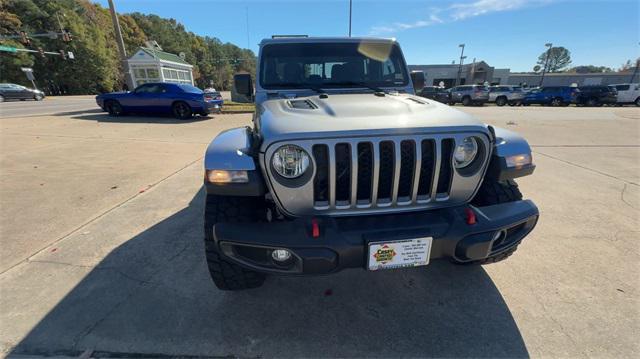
[152, 65]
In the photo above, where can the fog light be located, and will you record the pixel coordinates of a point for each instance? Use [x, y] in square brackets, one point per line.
[281, 255]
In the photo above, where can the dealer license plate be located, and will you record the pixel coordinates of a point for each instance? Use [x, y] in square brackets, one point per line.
[399, 254]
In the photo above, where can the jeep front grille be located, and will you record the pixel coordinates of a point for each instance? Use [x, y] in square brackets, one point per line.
[393, 173]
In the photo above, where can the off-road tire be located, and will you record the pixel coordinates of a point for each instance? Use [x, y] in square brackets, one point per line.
[494, 192]
[501, 101]
[466, 101]
[225, 274]
[490, 193]
[181, 110]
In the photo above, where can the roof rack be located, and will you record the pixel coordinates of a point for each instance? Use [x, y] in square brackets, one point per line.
[284, 36]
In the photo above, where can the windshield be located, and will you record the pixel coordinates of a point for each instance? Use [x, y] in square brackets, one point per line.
[332, 65]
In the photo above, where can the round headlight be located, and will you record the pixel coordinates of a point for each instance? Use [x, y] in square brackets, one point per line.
[465, 152]
[290, 161]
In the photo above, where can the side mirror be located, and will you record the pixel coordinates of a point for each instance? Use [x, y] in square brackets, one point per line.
[418, 79]
[243, 85]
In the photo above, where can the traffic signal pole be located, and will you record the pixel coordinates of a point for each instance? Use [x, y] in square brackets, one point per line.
[120, 42]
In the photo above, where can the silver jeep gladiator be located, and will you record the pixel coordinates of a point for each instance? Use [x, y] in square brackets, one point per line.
[344, 167]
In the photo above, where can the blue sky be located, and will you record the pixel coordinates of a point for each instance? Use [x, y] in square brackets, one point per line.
[504, 33]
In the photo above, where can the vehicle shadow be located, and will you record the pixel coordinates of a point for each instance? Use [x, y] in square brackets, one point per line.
[101, 116]
[153, 295]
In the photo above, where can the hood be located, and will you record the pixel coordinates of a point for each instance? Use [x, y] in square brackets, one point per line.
[348, 115]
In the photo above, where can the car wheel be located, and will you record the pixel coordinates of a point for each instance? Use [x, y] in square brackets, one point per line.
[2, 98]
[182, 111]
[501, 101]
[637, 102]
[466, 101]
[114, 108]
[556, 102]
[451, 103]
[225, 274]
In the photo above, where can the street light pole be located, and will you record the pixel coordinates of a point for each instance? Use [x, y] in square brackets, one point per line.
[350, 9]
[460, 66]
[546, 62]
[121, 48]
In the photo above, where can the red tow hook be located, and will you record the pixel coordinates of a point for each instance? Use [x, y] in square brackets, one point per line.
[315, 228]
[471, 216]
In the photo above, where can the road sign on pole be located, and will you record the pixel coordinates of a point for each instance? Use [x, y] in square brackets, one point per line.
[29, 72]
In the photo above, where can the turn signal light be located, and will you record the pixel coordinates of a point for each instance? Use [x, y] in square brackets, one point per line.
[224, 176]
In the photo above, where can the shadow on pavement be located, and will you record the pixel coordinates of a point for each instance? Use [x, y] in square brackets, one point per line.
[153, 295]
[101, 116]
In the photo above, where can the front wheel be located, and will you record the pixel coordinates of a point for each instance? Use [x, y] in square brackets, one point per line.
[637, 102]
[182, 110]
[225, 274]
[501, 101]
[557, 102]
[466, 101]
[114, 108]
[592, 102]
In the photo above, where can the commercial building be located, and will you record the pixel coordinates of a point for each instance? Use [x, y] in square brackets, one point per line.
[568, 79]
[153, 65]
[478, 72]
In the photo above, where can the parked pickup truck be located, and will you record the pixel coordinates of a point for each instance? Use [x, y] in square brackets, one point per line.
[627, 94]
[344, 167]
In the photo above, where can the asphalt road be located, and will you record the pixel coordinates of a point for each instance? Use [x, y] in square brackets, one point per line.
[49, 106]
[101, 227]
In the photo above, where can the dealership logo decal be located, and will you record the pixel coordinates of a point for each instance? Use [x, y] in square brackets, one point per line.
[384, 254]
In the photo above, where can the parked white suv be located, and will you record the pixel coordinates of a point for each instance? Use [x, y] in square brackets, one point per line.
[503, 95]
[628, 93]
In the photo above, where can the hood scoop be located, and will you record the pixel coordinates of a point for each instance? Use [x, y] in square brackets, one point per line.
[302, 104]
[416, 100]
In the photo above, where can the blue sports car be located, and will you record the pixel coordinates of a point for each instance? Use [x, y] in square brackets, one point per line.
[182, 100]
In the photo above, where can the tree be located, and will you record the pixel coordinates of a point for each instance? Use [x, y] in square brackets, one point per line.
[629, 65]
[585, 69]
[559, 59]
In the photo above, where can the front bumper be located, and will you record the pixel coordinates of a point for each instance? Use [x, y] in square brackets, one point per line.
[343, 241]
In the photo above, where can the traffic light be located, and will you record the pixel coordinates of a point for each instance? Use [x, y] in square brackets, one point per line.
[63, 55]
[41, 51]
[24, 38]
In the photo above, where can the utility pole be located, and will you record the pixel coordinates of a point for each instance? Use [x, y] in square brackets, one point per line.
[121, 48]
[546, 62]
[462, 57]
[350, 9]
[247, 13]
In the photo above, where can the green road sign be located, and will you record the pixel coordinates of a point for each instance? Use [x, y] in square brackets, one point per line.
[8, 48]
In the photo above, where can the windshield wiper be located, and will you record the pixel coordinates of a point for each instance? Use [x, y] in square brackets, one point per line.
[376, 90]
[303, 86]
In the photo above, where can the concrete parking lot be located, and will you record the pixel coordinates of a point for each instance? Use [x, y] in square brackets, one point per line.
[101, 227]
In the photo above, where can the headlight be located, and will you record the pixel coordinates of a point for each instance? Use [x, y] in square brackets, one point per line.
[465, 152]
[290, 161]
